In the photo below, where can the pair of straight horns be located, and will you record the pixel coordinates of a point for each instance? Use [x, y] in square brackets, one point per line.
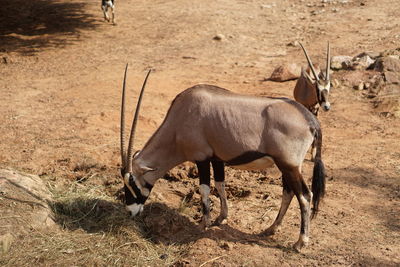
[126, 158]
[328, 62]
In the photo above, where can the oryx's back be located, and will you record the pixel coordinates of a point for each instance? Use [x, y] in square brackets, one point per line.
[226, 125]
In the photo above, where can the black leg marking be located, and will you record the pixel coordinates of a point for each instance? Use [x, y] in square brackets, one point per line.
[219, 172]
[204, 171]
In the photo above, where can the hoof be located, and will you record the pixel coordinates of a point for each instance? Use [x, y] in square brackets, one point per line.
[204, 224]
[300, 245]
[270, 231]
[219, 221]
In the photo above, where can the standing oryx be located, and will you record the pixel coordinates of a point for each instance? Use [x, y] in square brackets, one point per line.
[313, 91]
[105, 4]
[207, 124]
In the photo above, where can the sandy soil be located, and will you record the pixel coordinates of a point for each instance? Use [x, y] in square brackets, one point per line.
[61, 69]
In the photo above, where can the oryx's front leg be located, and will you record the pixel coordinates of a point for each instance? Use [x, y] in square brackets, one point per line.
[204, 173]
[287, 196]
[219, 177]
[105, 9]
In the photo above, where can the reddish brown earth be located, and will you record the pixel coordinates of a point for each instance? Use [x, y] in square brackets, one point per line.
[61, 69]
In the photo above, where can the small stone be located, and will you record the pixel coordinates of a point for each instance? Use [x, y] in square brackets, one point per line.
[335, 83]
[219, 37]
[367, 85]
[226, 245]
[293, 43]
[360, 86]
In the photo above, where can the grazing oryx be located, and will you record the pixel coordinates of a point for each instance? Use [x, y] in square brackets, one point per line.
[311, 91]
[105, 4]
[207, 124]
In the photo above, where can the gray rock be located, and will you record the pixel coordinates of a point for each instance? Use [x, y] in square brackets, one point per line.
[387, 63]
[388, 101]
[340, 62]
[362, 63]
[286, 72]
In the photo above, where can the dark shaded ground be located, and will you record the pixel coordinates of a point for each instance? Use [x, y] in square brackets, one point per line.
[29, 25]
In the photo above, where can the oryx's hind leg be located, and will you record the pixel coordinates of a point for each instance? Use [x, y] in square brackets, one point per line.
[304, 196]
[313, 151]
[112, 13]
[287, 196]
[219, 177]
[204, 173]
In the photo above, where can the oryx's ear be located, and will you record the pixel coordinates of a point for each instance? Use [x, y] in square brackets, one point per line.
[305, 74]
[146, 169]
[136, 153]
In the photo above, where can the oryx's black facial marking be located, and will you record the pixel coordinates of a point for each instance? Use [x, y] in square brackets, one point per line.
[140, 198]
[245, 158]
[129, 198]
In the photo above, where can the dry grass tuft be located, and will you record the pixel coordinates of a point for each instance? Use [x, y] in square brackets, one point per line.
[94, 231]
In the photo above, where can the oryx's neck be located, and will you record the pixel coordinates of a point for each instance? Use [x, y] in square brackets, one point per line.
[160, 153]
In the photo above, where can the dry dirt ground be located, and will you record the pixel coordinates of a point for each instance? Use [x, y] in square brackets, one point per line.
[60, 81]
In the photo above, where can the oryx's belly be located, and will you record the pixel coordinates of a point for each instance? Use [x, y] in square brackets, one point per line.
[258, 164]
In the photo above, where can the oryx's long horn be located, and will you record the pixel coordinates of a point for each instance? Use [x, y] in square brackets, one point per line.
[122, 131]
[328, 62]
[310, 63]
[134, 123]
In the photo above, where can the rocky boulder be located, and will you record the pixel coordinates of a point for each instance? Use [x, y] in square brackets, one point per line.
[388, 63]
[286, 72]
[340, 62]
[24, 202]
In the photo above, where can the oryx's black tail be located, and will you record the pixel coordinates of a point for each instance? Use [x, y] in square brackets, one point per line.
[318, 178]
